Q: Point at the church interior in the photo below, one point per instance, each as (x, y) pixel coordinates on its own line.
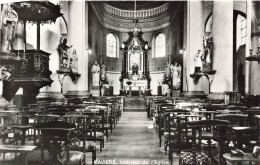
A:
(130, 82)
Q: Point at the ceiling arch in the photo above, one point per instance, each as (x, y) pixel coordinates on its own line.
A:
(157, 16)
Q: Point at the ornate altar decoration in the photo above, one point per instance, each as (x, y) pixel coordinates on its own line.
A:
(135, 65)
(135, 60)
(7, 58)
(35, 73)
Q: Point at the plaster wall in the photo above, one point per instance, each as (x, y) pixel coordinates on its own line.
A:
(50, 39)
(114, 76)
(76, 37)
(254, 67)
(156, 77)
(239, 70)
(195, 21)
(96, 41)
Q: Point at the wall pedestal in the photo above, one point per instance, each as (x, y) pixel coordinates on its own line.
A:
(176, 92)
(49, 96)
(219, 96)
(76, 94)
(95, 91)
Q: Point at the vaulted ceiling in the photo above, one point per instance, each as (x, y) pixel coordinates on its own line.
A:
(119, 15)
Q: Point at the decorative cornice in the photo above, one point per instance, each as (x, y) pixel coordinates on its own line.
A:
(121, 24)
(145, 26)
(140, 14)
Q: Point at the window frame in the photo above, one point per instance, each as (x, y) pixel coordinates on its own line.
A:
(243, 30)
(116, 46)
(155, 46)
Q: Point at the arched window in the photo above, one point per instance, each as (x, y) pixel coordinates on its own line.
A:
(111, 46)
(159, 46)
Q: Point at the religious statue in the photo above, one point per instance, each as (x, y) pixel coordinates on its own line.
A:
(62, 48)
(176, 75)
(9, 20)
(95, 73)
(135, 69)
(74, 62)
(198, 61)
(103, 72)
(140, 75)
(5, 73)
(206, 58)
(167, 71)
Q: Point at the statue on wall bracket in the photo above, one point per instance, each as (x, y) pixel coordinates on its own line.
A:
(74, 62)
(207, 56)
(64, 58)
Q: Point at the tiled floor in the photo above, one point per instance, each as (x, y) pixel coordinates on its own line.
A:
(134, 141)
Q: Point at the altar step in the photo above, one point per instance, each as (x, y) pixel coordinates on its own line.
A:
(135, 104)
(135, 109)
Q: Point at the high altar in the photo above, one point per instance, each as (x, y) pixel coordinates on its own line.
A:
(135, 75)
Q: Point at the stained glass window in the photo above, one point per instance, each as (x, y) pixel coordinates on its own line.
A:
(111, 45)
(159, 46)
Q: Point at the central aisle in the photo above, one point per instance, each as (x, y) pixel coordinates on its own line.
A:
(134, 141)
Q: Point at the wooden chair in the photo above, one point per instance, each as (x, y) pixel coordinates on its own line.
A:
(153, 104)
(236, 120)
(170, 124)
(251, 113)
(56, 137)
(84, 136)
(195, 154)
(99, 123)
(242, 108)
(104, 120)
(110, 122)
(160, 119)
